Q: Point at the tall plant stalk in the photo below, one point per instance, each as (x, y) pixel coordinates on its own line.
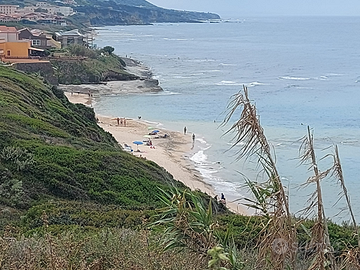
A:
(320, 235)
(249, 135)
(338, 173)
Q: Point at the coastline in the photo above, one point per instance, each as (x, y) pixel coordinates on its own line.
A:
(172, 153)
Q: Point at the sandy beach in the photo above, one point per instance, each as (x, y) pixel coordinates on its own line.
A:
(172, 152)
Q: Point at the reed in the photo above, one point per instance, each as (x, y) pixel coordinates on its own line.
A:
(278, 234)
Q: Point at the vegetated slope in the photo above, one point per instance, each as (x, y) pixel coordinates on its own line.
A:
(117, 14)
(122, 12)
(83, 65)
(50, 148)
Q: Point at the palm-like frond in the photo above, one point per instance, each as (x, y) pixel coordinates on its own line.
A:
(185, 222)
(337, 172)
(320, 236)
(270, 197)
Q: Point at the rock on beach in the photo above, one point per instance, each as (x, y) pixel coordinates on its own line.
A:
(144, 83)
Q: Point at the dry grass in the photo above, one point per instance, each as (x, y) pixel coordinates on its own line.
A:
(110, 249)
(279, 233)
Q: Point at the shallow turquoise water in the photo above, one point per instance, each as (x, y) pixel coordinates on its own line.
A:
(299, 71)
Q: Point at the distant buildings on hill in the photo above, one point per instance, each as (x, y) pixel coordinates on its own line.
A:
(42, 12)
(29, 43)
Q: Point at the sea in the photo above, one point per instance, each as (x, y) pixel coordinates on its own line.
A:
(300, 72)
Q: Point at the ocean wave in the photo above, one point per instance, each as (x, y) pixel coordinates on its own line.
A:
(252, 84)
(295, 78)
(176, 39)
(199, 60)
(199, 157)
(228, 83)
(350, 142)
(238, 144)
(203, 142)
(211, 70)
(167, 93)
(225, 64)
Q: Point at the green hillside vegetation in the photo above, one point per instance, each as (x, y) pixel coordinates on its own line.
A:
(51, 148)
(119, 12)
(77, 64)
(71, 198)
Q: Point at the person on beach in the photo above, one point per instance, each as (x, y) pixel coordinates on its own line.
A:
(222, 200)
(121, 121)
(184, 130)
(124, 122)
(193, 141)
(118, 120)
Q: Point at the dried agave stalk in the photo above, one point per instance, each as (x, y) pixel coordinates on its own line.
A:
(276, 246)
(337, 172)
(320, 237)
(352, 256)
(351, 259)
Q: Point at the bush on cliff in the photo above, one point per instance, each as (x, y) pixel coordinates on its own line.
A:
(79, 64)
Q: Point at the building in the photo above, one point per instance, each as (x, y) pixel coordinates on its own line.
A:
(42, 4)
(8, 34)
(9, 18)
(39, 39)
(18, 49)
(8, 9)
(13, 48)
(72, 37)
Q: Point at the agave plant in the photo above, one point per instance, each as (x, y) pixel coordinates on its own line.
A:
(185, 222)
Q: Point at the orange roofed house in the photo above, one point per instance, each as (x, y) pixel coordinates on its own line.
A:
(13, 48)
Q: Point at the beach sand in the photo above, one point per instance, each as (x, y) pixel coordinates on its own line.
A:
(171, 153)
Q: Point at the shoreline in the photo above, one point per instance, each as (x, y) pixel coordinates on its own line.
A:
(172, 153)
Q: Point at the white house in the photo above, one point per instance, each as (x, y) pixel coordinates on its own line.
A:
(8, 9)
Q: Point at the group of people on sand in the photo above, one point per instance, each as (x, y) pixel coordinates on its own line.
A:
(222, 199)
(121, 121)
(193, 137)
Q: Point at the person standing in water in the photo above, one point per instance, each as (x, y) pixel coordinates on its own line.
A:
(184, 130)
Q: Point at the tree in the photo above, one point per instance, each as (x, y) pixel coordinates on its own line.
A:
(108, 49)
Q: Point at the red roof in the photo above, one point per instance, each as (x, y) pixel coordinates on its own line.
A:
(11, 29)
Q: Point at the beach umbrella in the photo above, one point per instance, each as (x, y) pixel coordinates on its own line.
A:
(137, 144)
(147, 136)
(150, 128)
(155, 131)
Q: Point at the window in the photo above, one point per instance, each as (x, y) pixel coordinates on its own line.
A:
(36, 42)
(8, 53)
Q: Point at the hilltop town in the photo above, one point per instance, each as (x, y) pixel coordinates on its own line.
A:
(40, 13)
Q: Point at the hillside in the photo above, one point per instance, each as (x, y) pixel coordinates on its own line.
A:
(52, 149)
(71, 198)
(122, 12)
(116, 13)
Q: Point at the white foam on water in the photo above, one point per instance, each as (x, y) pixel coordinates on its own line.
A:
(199, 157)
(295, 78)
(228, 83)
(254, 84)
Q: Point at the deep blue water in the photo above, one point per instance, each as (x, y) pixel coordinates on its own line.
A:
(299, 71)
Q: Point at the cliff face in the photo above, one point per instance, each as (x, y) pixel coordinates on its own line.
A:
(44, 69)
(135, 12)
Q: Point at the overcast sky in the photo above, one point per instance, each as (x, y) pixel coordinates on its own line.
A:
(249, 8)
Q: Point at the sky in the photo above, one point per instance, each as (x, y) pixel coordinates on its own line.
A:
(249, 8)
